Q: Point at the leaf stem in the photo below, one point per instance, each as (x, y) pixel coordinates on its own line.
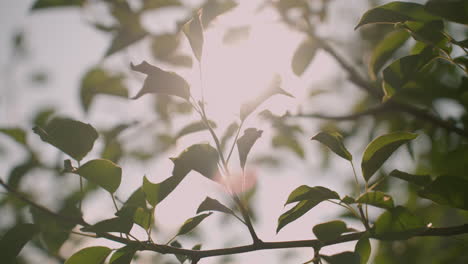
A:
(235, 140)
(113, 201)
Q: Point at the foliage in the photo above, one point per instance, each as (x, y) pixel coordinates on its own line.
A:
(414, 66)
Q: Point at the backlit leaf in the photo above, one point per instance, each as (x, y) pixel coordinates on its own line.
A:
(303, 56)
(14, 240)
(376, 198)
(447, 190)
(156, 192)
(72, 137)
(317, 193)
(395, 12)
(193, 29)
(17, 134)
(90, 255)
(245, 143)
(214, 8)
(420, 180)
(201, 158)
(160, 81)
(102, 172)
(333, 140)
(380, 149)
(40, 4)
(363, 248)
(398, 223)
(294, 213)
(123, 255)
(116, 224)
(329, 231)
(210, 204)
(191, 223)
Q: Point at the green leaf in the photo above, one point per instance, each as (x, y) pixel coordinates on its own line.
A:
(72, 137)
(116, 224)
(164, 45)
(230, 131)
(17, 134)
(135, 201)
(156, 192)
(40, 4)
(123, 255)
(431, 33)
(420, 180)
(193, 128)
(334, 141)
(18, 172)
(160, 81)
(143, 217)
(152, 4)
(376, 198)
(102, 172)
(380, 149)
(396, 12)
(398, 223)
(329, 231)
(303, 56)
(363, 248)
(245, 143)
(343, 258)
(294, 213)
(385, 49)
(214, 8)
(447, 190)
(90, 255)
(14, 240)
(180, 258)
(98, 81)
(210, 204)
(453, 10)
(193, 30)
(273, 89)
(348, 200)
(317, 193)
(201, 158)
(191, 223)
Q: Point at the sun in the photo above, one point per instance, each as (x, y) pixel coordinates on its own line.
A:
(236, 72)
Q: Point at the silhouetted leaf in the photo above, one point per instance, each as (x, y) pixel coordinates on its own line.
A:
(398, 223)
(303, 56)
(156, 192)
(363, 248)
(245, 143)
(376, 198)
(420, 180)
(14, 240)
(143, 217)
(116, 224)
(273, 89)
(90, 255)
(98, 81)
(235, 35)
(294, 213)
(453, 10)
(160, 81)
(17, 134)
(210, 204)
(380, 149)
(317, 193)
(193, 29)
(385, 49)
(348, 200)
(214, 8)
(72, 137)
(343, 258)
(123, 255)
(230, 131)
(329, 231)
(334, 141)
(194, 127)
(40, 4)
(395, 12)
(180, 258)
(191, 223)
(164, 45)
(447, 190)
(201, 158)
(102, 172)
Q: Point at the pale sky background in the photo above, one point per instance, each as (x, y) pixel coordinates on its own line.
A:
(62, 45)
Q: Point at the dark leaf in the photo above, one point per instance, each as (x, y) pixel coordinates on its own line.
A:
(334, 141)
(90, 255)
(156, 4)
(395, 12)
(343, 258)
(431, 33)
(348, 200)
(329, 231)
(160, 81)
(156, 192)
(214, 8)
(210, 204)
(420, 180)
(245, 143)
(123, 255)
(72, 137)
(143, 217)
(447, 190)
(380, 149)
(18, 172)
(17, 134)
(164, 45)
(193, 29)
(376, 198)
(398, 223)
(385, 49)
(294, 213)
(116, 224)
(180, 258)
(201, 158)
(40, 4)
(317, 193)
(194, 127)
(303, 56)
(102, 172)
(14, 240)
(453, 10)
(363, 248)
(191, 223)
